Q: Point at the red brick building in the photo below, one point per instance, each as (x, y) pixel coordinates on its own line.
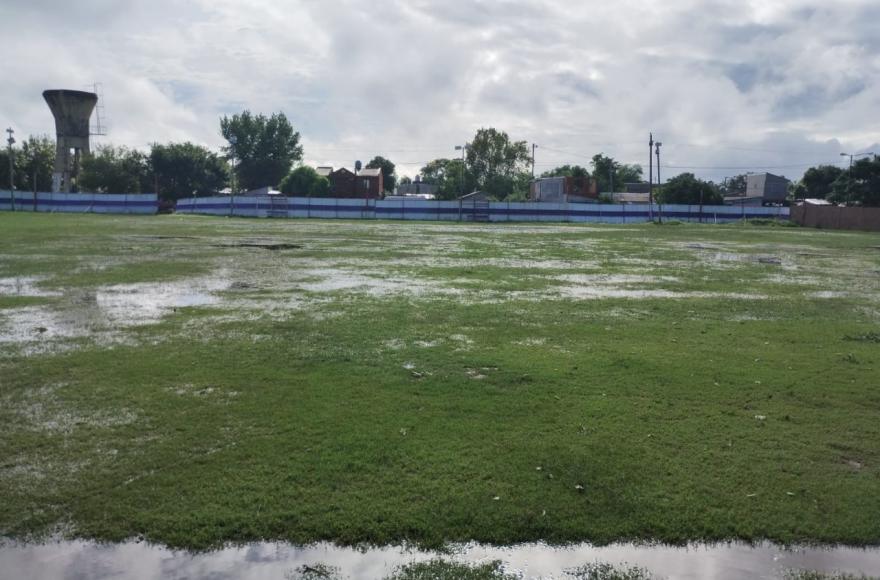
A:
(367, 184)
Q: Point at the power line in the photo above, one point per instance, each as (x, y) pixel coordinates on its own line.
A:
(747, 167)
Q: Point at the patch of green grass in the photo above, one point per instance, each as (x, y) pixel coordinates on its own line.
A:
(605, 571)
(445, 570)
(129, 273)
(22, 301)
(866, 337)
(451, 393)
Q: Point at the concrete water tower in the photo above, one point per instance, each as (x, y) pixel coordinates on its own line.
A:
(72, 111)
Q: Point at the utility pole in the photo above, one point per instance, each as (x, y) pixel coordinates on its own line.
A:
(10, 142)
(651, 176)
(851, 156)
(659, 183)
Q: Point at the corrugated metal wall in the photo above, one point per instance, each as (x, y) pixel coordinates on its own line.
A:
(119, 203)
(303, 207)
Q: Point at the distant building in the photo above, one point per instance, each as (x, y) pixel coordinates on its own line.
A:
(366, 184)
(639, 187)
(563, 190)
(772, 189)
(264, 191)
(417, 188)
(628, 197)
(744, 200)
(411, 197)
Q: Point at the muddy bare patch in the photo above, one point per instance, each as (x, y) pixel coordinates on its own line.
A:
(272, 247)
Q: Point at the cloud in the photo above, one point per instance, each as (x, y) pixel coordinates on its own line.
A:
(728, 85)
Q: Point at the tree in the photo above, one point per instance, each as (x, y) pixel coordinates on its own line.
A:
(305, 181)
(36, 160)
(859, 186)
(817, 182)
(185, 169)
(115, 170)
(265, 147)
(498, 165)
(450, 176)
(35, 157)
(605, 168)
(627, 173)
(687, 189)
(405, 180)
(389, 178)
(567, 171)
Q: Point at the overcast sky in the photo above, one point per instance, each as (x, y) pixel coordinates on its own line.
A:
(729, 86)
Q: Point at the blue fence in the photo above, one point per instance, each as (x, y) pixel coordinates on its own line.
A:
(303, 207)
(119, 203)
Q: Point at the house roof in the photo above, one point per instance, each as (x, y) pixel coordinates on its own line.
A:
(369, 172)
(324, 171)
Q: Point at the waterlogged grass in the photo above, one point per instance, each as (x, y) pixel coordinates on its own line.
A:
(605, 571)
(812, 575)
(373, 382)
(445, 570)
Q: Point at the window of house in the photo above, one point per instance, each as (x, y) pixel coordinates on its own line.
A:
(367, 184)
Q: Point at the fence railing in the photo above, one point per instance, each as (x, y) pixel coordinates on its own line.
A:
(119, 203)
(330, 208)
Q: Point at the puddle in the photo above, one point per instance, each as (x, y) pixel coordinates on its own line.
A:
(24, 286)
(105, 310)
(335, 280)
(597, 286)
(141, 561)
(588, 293)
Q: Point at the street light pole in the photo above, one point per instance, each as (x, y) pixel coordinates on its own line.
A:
(10, 142)
(657, 146)
(651, 176)
(463, 148)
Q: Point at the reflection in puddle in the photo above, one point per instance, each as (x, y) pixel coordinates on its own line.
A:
(105, 311)
(74, 560)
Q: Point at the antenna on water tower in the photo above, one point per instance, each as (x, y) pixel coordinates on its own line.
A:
(99, 129)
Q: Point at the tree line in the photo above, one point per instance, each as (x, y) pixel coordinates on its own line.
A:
(859, 185)
(266, 150)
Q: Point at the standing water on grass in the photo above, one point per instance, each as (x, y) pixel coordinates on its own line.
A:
(141, 561)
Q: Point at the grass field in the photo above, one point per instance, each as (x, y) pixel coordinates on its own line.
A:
(202, 380)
